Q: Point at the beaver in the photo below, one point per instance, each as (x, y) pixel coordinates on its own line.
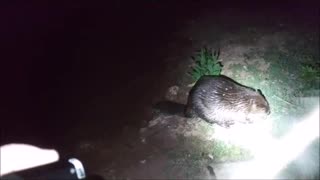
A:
(222, 101)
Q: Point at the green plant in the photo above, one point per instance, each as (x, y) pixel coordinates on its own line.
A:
(310, 72)
(206, 63)
(311, 75)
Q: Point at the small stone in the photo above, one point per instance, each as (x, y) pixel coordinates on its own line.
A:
(143, 140)
(172, 92)
(143, 161)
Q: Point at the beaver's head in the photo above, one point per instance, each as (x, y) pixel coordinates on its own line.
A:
(259, 107)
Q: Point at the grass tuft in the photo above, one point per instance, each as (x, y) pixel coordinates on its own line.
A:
(206, 63)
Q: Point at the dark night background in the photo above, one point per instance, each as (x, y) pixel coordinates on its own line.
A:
(72, 62)
(93, 64)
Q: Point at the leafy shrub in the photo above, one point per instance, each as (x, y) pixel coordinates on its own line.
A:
(310, 72)
(311, 75)
(206, 63)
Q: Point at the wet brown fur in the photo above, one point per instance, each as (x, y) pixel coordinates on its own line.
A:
(221, 100)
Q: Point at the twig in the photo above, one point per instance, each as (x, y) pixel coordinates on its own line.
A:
(284, 100)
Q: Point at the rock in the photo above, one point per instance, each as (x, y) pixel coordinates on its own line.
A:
(172, 93)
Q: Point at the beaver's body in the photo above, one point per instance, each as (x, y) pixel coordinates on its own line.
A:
(220, 100)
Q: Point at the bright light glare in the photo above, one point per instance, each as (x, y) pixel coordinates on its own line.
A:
(273, 155)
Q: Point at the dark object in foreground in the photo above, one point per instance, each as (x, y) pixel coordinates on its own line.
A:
(71, 169)
(220, 100)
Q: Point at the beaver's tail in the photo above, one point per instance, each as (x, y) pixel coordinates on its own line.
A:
(169, 108)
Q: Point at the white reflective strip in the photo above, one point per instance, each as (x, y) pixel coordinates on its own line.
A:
(78, 167)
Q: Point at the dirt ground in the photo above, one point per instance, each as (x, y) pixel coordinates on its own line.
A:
(150, 151)
(83, 78)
